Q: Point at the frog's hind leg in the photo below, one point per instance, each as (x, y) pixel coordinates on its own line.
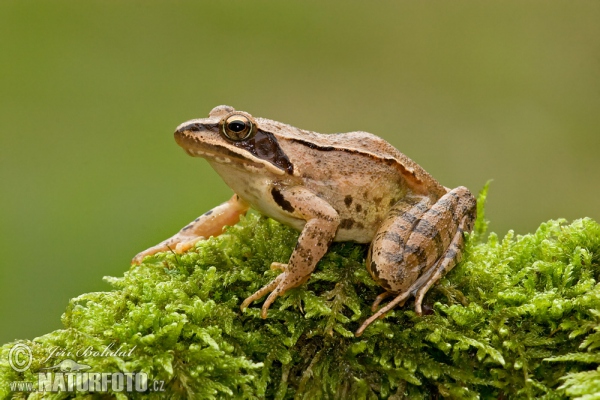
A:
(432, 247)
(451, 257)
(424, 283)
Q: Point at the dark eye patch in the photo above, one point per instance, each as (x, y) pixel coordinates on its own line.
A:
(264, 145)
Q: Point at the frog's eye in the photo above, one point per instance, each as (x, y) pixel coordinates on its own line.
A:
(237, 127)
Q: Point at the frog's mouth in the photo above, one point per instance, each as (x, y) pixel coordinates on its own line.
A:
(221, 154)
(203, 140)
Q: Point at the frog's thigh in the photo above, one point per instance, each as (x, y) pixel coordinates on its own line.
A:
(208, 224)
(321, 225)
(391, 264)
(401, 254)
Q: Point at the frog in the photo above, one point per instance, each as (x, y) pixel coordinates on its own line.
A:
(340, 187)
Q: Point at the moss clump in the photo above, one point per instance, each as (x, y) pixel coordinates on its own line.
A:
(518, 318)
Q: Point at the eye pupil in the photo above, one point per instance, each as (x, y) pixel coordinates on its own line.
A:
(236, 126)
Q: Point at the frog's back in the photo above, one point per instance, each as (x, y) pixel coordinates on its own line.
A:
(370, 154)
(367, 143)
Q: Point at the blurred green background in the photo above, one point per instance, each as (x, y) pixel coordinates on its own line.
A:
(90, 94)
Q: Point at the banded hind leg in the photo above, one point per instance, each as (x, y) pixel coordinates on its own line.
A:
(418, 243)
(386, 255)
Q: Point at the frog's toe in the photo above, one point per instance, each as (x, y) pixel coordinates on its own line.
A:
(382, 297)
(443, 265)
(137, 259)
(265, 308)
(184, 246)
(278, 266)
(178, 244)
(260, 293)
(399, 299)
(280, 290)
(433, 276)
(419, 298)
(277, 287)
(379, 299)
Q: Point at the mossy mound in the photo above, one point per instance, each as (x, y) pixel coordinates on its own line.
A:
(518, 318)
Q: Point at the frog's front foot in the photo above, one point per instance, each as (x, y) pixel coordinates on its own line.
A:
(209, 224)
(277, 287)
(175, 244)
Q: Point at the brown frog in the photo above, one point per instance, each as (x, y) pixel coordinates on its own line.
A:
(338, 187)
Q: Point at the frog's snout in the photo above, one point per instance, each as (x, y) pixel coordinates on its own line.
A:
(188, 127)
(185, 132)
(197, 137)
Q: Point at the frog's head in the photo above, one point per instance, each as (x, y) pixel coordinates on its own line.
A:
(228, 136)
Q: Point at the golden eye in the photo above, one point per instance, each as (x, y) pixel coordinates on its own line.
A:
(237, 127)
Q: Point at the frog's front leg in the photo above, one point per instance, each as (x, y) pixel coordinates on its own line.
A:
(321, 225)
(417, 243)
(209, 224)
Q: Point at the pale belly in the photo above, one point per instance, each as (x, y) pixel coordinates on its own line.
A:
(361, 209)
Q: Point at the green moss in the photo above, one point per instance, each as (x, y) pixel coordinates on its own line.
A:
(518, 318)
